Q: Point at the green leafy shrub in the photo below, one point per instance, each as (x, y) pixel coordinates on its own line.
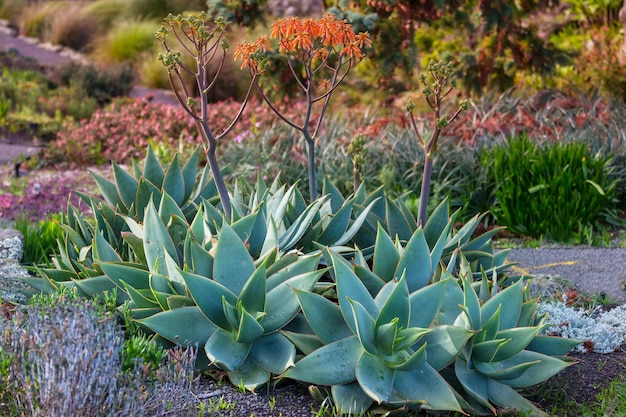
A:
(118, 132)
(548, 190)
(102, 83)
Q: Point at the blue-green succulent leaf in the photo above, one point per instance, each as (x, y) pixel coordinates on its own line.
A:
(425, 384)
(232, 265)
(375, 377)
(253, 292)
(208, 296)
(126, 185)
(425, 303)
(223, 351)
(189, 173)
(511, 298)
(450, 305)
(181, 325)
(386, 256)
(174, 183)
(552, 345)
(350, 286)
(506, 397)
(134, 277)
(524, 369)
(364, 327)
(323, 316)
(282, 303)
(415, 262)
(157, 241)
(274, 352)
(444, 343)
(520, 338)
(250, 375)
(474, 383)
(396, 306)
(152, 169)
(249, 328)
(103, 251)
(350, 399)
(332, 364)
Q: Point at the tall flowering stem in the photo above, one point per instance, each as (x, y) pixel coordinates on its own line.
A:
(202, 39)
(438, 84)
(320, 52)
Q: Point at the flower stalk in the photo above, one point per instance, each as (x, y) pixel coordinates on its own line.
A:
(320, 53)
(438, 84)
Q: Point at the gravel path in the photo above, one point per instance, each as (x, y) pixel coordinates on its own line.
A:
(592, 270)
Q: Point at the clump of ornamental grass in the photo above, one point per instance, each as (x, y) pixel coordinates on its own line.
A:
(63, 356)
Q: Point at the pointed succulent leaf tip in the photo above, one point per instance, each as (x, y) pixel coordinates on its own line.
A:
(232, 265)
(365, 327)
(350, 286)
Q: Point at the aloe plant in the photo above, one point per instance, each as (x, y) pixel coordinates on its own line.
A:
(506, 351)
(374, 348)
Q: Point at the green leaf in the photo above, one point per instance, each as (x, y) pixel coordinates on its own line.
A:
(425, 384)
(157, 241)
(486, 351)
(297, 229)
(331, 364)
(507, 397)
(364, 327)
(103, 251)
(126, 185)
(288, 267)
(552, 345)
(350, 286)
(396, 306)
(143, 298)
(208, 295)
(415, 262)
(323, 316)
(95, 286)
(474, 384)
(282, 303)
(274, 352)
(524, 369)
(450, 305)
(337, 226)
(232, 265)
(152, 170)
(174, 183)
(108, 190)
(181, 325)
(596, 186)
(437, 223)
(356, 226)
(253, 293)
(375, 377)
(425, 303)
(386, 256)
(511, 300)
(444, 343)
(135, 277)
(250, 375)
(189, 173)
(520, 338)
(249, 328)
(169, 208)
(223, 351)
(350, 399)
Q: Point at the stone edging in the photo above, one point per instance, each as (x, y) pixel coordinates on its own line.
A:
(11, 271)
(64, 51)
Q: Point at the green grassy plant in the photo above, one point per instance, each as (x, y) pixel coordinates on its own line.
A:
(125, 41)
(73, 28)
(10, 9)
(40, 239)
(548, 190)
